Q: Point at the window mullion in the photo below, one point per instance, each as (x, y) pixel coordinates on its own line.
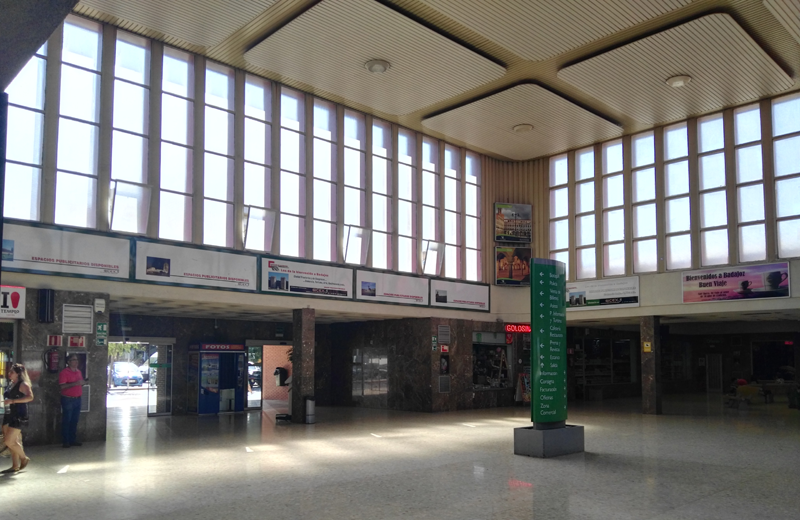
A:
(154, 136)
(239, 78)
(768, 167)
(627, 197)
(394, 227)
(694, 187)
(599, 211)
(571, 216)
(105, 121)
(308, 183)
(52, 101)
(368, 151)
(731, 186)
(198, 152)
(340, 183)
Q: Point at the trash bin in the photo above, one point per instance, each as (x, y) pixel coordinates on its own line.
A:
(310, 410)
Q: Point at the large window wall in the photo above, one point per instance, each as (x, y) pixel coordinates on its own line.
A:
(142, 138)
(716, 190)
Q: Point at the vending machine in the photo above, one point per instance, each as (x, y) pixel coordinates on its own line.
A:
(217, 378)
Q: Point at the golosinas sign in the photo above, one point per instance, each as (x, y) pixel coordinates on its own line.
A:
(12, 302)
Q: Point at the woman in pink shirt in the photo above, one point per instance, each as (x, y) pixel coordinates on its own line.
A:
(71, 382)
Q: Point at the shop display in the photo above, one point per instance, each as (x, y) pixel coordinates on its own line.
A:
(490, 367)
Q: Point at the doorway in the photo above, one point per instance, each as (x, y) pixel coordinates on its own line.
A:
(265, 357)
(159, 380)
(714, 373)
(139, 377)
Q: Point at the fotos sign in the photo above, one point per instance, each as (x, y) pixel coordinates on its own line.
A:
(736, 283)
(284, 276)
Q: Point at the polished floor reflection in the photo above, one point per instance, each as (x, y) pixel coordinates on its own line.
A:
(698, 461)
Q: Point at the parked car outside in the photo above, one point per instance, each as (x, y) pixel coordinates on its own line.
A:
(125, 373)
(254, 375)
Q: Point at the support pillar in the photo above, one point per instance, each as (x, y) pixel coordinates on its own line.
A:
(651, 364)
(304, 322)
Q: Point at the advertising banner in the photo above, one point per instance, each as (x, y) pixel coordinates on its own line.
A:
(391, 288)
(12, 302)
(736, 283)
(459, 295)
(613, 292)
(283, 276)
(512, 222)
(68, 252)
(190, 266)
(512, 266)
(548, 341)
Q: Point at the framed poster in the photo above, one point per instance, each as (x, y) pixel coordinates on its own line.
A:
(512, 266)
(372, 286)
(287, 277)
(193, 266)
(611, 292)
(512, 222)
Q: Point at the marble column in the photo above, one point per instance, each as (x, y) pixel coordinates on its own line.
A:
(304, 321)
(651, 364)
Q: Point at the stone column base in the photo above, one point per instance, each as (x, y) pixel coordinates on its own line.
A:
(548, 443)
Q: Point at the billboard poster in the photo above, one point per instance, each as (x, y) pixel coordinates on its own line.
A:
(512, 266)
(612, 292)
(456, 295)
(736, 283)
(512, 222)
(67, 252)
(287, 277)
(391, 288)
(190, 266)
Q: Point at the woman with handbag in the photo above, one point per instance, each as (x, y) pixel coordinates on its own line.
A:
(15, 400)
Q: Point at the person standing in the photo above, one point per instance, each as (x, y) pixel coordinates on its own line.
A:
(71, 382)
(15, 401)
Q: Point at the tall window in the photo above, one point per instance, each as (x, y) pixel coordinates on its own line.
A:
(676, 192)
(218, 157)
(24, 140)
(786, 146)
(430, 204)
(381, 193)
(472, 208)
(257, 162)
(713, 196)
(749, 184)
(129, 141)
(177, 140)
(643, 195)
(78, 125)
(452, 211)
(293, 173)
(407, 201)
(585, 223)
(355, 189)
(559, 209)
(613, 210)
(325, 181)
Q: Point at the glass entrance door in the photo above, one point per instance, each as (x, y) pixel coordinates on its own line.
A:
(159, 385)
(255, 376)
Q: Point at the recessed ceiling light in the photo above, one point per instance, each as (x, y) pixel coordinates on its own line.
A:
(377, 66)
(679, 81)
(521, 129)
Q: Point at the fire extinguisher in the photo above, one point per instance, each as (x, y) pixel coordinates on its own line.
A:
(51, 358)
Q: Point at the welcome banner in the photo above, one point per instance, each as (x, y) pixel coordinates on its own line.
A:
(736, 283)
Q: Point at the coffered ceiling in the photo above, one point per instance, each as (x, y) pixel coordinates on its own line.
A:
(456, 65)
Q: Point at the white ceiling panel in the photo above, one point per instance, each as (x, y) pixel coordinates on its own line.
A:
(558, 124)
(199, 22)
(541, 29)
(726, 65)
(326, 47)
(788, 14)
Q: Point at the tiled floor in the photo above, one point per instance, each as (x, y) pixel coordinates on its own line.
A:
(698, 461)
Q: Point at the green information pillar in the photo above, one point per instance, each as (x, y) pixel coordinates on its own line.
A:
(548, 344)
